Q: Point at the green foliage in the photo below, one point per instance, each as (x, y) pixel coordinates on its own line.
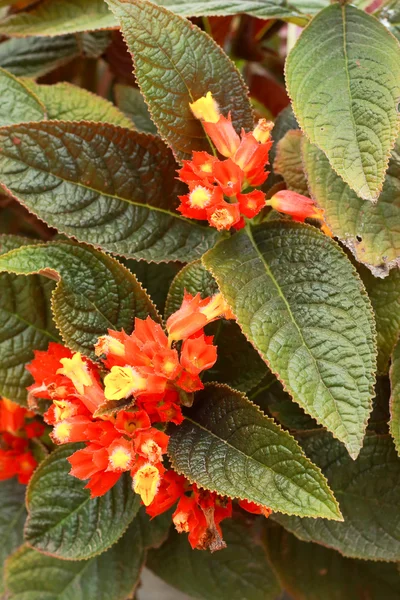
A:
(94, 291)
(131, 102)
(317, 335)
(395, 397)
(239, 571)
(18, 102)
(227, 445)
(288, 162)
(190, 65)
(12, 520)
(352, 114)
(82, 193)
(370, 231)
(368, 492)
(62, 519)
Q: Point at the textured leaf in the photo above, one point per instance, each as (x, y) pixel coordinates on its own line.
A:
(62, 519)
(36, 56)
(107, 186)
(57, 17)
(131, 102)
(67, 102)
(238, 364)
(285, 122)
(395, 397)
(371, 231)
(12, 519)
(310, 572)
(18, 103)
(385, 299)
(368, 491)
(298, 299)
(263, 9)
(155, 278)
(226, 444)
(237, 572)
(113, 574)
(351, 114)
(25, 324)
(176, 63)
(288, 162)
(95, 292)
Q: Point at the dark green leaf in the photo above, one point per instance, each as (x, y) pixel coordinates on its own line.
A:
(300, 302)
(343, 76)
(104, 185)
(371, 231)
(288, 162)
(155, 278)
(368, 491)
(395, 397)
(12, 520)
(310, 572)
(240, 571)
(57, 17)
(25, 324)
(64, 522)
(18, 103)
(131, 102)
(226, 444)
(177, 63)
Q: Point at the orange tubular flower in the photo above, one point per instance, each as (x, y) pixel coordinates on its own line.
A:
(297, 206)
(198, 354)
(255, 509)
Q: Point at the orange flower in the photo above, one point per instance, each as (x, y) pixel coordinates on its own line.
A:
(198, 354)
(297, 206)
(255, 509)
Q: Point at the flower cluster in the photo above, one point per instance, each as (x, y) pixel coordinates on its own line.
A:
(17, 428)
(221, 191)
(119, 405)
(224, 191)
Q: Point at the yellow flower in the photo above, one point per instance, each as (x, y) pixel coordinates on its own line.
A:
(206, 109)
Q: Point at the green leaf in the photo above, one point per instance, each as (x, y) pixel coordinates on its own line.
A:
(370, 231)
(368, 491)
(226, 444)
(58, 17)
(131, 102)
(237, 572)
(67, 102)
(389, 16)
(12, 520)
(25, 324)
(94, 291)
(288, 162)
(285, 122)
(110, 187)
(300, 302)
(262, 9)
(238, 364)
(351, 114)
(18, 103)
(394, 424)
(177, 63)
(385, 299)
(62, 519)
(155, 278)
(36, 56)
(310, 572)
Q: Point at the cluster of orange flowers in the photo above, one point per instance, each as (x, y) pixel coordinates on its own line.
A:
(120, 405)
(225, 191)
(17, 427)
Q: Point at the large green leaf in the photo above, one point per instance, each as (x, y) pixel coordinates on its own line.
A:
(18, 103)
(288, 162)
(63, 521)
(57, 17)
(131, 102)
(12, 520)
(343, 76)
(177, 63)
(368, 491)
(240, 571)
(385, 299)
(112, 575)
(67, 102)
(371, 231)
(25, 324)
(310, 572)
(36, 56)
(395, 397)
(94, 292)
(226, 444)
(300, 302)
(111, 187)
